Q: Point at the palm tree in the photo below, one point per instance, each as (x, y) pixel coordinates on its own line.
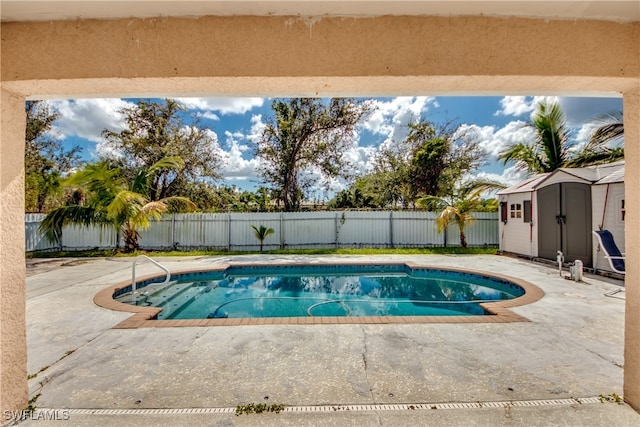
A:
(262, 233)
(458, 205)
(115, 202)
(605, 144)
(550, 149)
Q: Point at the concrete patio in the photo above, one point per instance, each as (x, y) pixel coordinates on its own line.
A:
(549, 371)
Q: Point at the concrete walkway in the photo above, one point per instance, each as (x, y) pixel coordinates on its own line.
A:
(549, 371)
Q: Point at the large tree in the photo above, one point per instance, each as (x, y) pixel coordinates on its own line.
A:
(426, 162)
(114, 200)
(305, 143)
(439, 157)
(388, 184)
(156, 130)
(46, 160)
(428, 158)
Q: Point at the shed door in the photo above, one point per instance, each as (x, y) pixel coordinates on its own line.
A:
(564, 221)
(549, 231)
(576, 208)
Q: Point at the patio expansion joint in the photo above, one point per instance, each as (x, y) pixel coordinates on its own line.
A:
(613, 362)
(50, 372)
(480, 405)
(365, 363)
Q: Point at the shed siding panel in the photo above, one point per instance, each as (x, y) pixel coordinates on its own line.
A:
(517, 236)
(612, 219)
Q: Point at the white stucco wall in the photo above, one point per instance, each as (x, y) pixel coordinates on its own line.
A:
(244, 56)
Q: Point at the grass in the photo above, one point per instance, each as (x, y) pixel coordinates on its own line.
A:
(338, 251)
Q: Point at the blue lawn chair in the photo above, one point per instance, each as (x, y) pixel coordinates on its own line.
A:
(611, 251)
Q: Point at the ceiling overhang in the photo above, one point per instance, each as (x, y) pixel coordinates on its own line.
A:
(53, 10)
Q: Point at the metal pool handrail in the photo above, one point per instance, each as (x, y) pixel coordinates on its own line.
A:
(133, 272)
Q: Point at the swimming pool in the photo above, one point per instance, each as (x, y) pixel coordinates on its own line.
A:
(276, 291)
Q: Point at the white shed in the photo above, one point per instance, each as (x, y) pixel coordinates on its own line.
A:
(557, 211)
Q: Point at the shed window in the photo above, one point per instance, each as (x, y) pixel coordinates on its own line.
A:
(516, 210)
(526, 206)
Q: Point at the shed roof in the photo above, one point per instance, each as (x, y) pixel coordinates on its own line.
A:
(525, 186)
(614, 177)
(597, 174)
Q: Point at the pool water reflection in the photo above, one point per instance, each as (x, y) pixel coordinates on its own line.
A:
(337, 290)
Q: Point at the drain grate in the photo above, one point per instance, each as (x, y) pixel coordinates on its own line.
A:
(341, 408)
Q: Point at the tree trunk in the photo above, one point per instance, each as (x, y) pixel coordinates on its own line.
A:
(463, 239)
(130, 240)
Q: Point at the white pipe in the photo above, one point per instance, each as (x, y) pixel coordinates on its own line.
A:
(560, 259)
(133, 272)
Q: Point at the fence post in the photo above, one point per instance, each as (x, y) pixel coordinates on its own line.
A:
(174, 245)
(391, 229)
(282, 237)
(229, 231)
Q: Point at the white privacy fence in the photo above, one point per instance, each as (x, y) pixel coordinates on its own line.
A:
(292, 230)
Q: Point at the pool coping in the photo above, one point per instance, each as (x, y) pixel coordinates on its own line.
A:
(144, 317)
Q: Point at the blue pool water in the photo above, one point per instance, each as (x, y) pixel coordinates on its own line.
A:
(341, 290)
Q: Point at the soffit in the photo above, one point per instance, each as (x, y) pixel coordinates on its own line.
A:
(53, 10)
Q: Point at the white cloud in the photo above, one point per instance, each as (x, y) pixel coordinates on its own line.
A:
(510, 176)
(105, 149)
(257, 126)
(87, 118)
(222, 105)
(493, 141)
(583, 135)
(234, 165)
(578, 110)
(208, 115)
(390, 118)
(514, 106)
(362, 158)
(519, 105)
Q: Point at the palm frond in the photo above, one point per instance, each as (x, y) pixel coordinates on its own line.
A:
(597, 157)
(610, 130)
(262, 232)
(178, 204)
(51, 226)
(432, 203)
(126, 203)
(140, 182)
(524, 156)
(448, 214)
(97, 178)
(552, 135)
(478, 186)
(174, 163)
(150, 211)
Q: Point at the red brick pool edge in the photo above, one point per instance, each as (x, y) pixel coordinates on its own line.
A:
(144, 317)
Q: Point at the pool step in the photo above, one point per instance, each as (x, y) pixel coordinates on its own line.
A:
(176, 302)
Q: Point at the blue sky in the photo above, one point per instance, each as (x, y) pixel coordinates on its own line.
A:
(236, 123)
